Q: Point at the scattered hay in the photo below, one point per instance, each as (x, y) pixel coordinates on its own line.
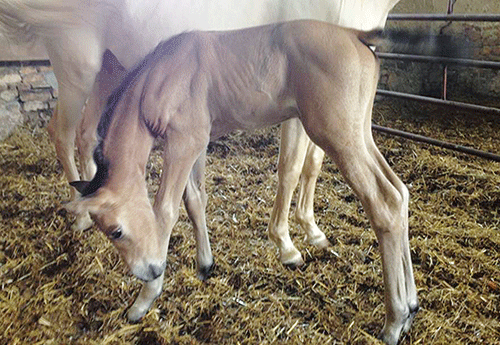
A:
(61, 287)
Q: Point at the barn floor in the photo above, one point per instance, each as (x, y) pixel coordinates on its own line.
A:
(64, 287)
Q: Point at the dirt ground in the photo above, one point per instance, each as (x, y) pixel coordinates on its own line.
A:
(64, 287)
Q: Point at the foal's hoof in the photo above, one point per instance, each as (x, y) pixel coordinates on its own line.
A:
(82, 222)
(291, 259)
(204, 272)
(391, 336)
(388, 340)
(413, 312)
(135, 314)
(320, 243)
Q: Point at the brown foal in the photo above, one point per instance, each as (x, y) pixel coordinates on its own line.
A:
(198, 86)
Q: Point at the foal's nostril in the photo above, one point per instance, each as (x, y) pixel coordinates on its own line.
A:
(156, 270)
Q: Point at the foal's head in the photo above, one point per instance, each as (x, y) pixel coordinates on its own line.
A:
(117, 197)
(127, 219)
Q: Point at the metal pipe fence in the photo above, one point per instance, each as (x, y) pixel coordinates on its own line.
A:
(442, 60)
(446, 17)
(435, 142)
(438, 101)
(445, 61)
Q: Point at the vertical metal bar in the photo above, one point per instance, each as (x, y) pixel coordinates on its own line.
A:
(449, 11)
(445, 80)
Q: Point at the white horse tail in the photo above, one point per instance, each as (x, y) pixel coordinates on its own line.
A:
(27, 20)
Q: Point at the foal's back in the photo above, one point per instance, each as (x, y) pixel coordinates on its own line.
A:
(255, 77)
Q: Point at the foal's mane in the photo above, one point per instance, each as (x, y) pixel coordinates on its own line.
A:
(164, 48)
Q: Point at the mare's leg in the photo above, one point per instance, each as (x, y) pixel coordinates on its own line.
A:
(75, 66)
(304, 213)
(86, 136)
(293, 148)
(182, 150)
(108, 78)
(195, 200)
(299, 158)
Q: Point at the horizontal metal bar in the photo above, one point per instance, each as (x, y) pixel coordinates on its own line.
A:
(438, 101)
(447, 17)
(443, 60)
(9, 63)
(435, 142)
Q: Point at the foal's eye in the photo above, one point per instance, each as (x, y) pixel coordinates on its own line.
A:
(116, 234)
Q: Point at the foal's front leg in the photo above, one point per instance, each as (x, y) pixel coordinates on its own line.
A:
(149, 292)
(179, 158)
(195, 200)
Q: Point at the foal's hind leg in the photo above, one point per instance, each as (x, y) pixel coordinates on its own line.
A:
(385, 200)
(195, 200)
(386, 204)
(304, 213)
(343, 130)
(293, 147)
(411, 290)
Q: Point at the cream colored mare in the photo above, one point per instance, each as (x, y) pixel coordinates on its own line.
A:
(201, 85)
(77, 32)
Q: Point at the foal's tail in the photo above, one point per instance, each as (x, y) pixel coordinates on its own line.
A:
(26, 20)
(417, 43)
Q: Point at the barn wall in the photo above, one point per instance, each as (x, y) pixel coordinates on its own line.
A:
(27, 94)
(464, 84)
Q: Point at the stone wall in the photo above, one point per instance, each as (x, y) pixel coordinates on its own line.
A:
(27, 94)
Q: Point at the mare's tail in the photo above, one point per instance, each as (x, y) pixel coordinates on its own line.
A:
(26, 20)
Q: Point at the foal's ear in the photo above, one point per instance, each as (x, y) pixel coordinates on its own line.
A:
(94, 204)
(80, 186)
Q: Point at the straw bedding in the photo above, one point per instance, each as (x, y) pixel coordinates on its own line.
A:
(64, 287)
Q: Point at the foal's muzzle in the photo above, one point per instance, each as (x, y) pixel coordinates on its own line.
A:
(156, 271)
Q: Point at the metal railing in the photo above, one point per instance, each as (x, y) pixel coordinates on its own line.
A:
(445, 61)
